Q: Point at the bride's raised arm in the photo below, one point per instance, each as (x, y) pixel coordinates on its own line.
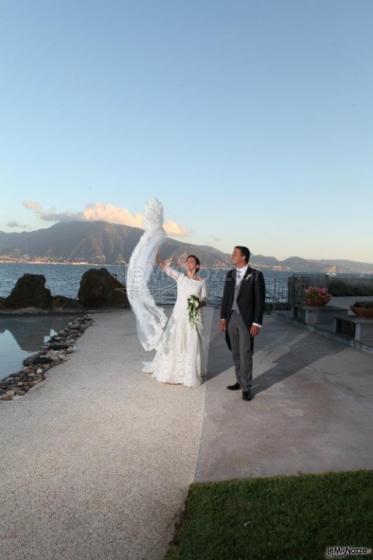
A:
(167, 268)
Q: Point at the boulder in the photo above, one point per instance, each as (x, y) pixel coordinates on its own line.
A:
(62, 302)
(29, 291)
(99, 288)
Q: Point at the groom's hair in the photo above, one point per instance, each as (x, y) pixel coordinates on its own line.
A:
(244, 251)
(198, 262)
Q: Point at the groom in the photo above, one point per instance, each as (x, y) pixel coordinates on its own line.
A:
(241, 315)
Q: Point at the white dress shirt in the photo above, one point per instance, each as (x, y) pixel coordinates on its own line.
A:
(240, 273)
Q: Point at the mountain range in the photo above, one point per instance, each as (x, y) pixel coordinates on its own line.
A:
(100, 242)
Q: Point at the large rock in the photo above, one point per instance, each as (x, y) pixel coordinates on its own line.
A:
(63, 302)
(98, 288)
(29, 291)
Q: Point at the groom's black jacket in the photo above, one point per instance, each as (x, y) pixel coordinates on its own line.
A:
(250, 299)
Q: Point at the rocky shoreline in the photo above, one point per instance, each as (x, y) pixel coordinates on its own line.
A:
(56, 350)
(98, 291)
(98, 288)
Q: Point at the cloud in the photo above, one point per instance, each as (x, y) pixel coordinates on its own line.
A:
(16, 225)
(32, 205)
(106, 212)
(172, 228)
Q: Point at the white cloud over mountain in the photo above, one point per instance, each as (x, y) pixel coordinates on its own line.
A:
(102, 211)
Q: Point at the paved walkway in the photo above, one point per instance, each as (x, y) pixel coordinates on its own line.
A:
(96, 460)
(313, 409)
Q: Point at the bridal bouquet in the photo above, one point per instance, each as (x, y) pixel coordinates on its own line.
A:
(193, 309)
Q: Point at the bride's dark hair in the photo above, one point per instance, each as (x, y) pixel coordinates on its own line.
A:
(198, 262)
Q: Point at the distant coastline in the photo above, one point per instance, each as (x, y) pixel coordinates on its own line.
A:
(330, 271)
(270, 268)
(4, 260)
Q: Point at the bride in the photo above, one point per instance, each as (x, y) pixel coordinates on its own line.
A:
(180, 355)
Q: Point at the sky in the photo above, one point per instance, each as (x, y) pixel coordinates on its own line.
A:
(251, 121)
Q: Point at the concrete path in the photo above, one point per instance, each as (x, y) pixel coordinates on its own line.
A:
(312, 412)
(97, 459)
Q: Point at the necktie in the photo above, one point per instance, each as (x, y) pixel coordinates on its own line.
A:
(236, 289)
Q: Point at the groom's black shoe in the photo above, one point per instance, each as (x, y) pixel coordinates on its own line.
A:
(247, 395)
(234, 387)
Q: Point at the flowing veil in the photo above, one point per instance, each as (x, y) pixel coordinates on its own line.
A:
(150, 319)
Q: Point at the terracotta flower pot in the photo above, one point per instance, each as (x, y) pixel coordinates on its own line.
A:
(364, 312)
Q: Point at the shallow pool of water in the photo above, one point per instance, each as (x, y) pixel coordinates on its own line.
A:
(22, 336)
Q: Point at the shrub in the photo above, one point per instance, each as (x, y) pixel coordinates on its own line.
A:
(341, 288)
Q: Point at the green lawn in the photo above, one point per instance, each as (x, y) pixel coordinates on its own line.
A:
(276, 518)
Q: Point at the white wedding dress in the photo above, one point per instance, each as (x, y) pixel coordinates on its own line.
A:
(180, 353)
(180, 356)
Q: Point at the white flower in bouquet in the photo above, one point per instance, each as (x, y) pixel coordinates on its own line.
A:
(194, 312)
